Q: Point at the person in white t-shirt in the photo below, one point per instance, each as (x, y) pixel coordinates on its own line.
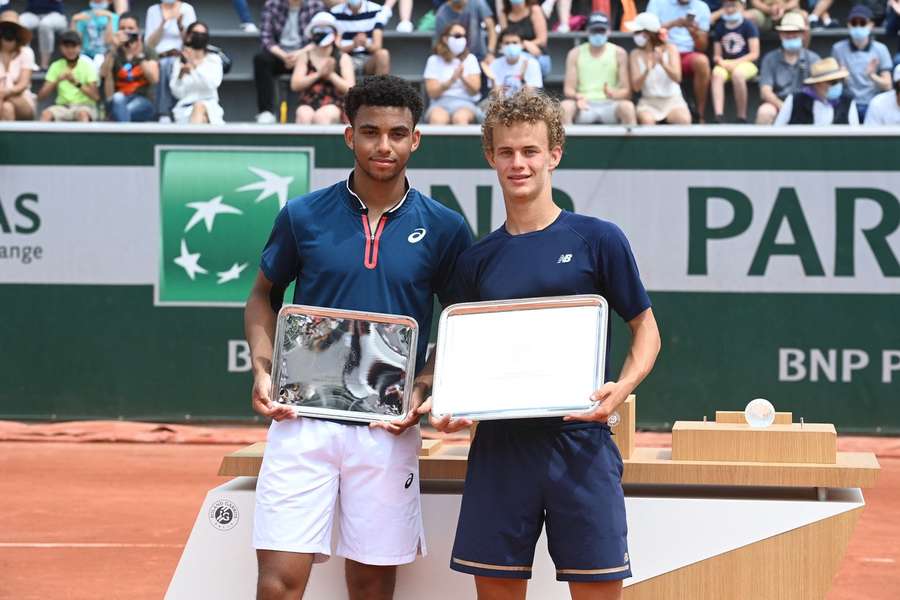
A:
(452, 80)
(164, 29)
(884, 109)
(515, 69)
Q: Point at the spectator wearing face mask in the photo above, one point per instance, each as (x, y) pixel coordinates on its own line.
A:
(867, 59)
(74, 80)
(165, 25)
(597, 86)
(362, 23)
(884, 109)
(783, 70)
(17, 102)
(514, 69)
(323, 74)
(688, 23)
(822, 101)
(282, 37)
(477, 22)
(655, 69)
(452, 80)
(96, 26)
(735, 50)
(196, 82)
(129, 73)
(48, 18)
(526, 18)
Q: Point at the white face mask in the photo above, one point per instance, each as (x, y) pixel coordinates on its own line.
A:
(640, 39)
(456, 45)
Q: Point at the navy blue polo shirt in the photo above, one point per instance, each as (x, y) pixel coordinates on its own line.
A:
(576, 254)
(323, 241)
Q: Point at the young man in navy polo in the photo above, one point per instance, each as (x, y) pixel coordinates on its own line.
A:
(369, 243)
(563, 472)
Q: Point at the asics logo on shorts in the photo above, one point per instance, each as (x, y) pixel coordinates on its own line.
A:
(409, 481)
(564, 258)
(416, 235)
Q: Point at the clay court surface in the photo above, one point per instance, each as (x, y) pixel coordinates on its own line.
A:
(85, 518)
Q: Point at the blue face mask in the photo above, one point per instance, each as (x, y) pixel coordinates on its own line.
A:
(512, 51)
(732, 18)
(835, 91)
(517, 2)
(859, 34)
(597, 39)
(792, 44)
(99, 5)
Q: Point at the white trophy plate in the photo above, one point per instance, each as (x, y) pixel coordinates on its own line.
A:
(509, 359)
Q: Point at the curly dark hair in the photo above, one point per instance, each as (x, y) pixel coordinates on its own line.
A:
(383, 90)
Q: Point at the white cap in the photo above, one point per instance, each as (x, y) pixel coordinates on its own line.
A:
(323, 19)
(644, 22)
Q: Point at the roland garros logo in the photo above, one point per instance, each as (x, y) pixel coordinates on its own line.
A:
(224, 514)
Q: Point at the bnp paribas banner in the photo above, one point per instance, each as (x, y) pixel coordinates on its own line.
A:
(772, 262)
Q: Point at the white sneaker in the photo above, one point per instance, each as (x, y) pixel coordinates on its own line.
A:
(266, 118)
(562, 28)
(405, 26)
(249, 28)
(547, 7)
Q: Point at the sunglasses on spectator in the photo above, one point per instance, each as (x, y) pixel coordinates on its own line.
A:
(858, 23)
(597, 30)
(457, 35)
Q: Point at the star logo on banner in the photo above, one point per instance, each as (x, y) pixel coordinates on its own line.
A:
(270, 184)
(189, 262)
(231, 274)
(207, 211)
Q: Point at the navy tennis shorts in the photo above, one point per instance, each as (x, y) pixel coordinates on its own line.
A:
(522, 475)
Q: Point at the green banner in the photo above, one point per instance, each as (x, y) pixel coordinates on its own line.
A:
(771, 261)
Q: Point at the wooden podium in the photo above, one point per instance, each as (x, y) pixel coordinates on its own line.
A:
(729, 513)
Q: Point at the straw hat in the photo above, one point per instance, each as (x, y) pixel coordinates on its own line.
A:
(827, 69)
(23, 35)
(644, 22)
(793, 21)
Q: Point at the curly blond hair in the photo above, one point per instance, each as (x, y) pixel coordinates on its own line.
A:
(525, 106)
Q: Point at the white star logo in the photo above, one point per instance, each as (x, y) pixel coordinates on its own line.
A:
(231, 274)
(189, 262)
(207, 211)
(270, 185)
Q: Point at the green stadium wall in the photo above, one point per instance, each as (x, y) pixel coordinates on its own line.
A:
(771, 261)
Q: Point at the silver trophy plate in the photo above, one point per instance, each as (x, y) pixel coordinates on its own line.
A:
(509, 359)
(344, 364)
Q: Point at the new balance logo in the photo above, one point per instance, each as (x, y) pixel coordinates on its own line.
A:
(564, 258)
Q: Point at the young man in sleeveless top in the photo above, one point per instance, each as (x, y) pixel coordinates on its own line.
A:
(596, 87)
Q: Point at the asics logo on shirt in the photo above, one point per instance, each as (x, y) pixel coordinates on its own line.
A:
(416, 235)
(409, 479)
(564, 258)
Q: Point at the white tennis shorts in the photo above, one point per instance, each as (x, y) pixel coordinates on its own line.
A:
(317, 472)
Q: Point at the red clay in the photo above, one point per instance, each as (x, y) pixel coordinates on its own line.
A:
(149, 494)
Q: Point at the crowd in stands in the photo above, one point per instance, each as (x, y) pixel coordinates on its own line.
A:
(102, 64)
